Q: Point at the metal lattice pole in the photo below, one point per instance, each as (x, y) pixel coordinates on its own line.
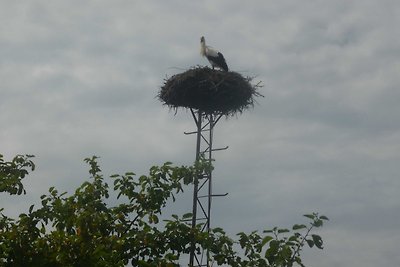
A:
(202, 192)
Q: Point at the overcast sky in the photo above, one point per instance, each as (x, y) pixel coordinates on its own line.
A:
(80, 78)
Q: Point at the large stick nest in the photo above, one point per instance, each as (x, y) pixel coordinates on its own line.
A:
(209, 91)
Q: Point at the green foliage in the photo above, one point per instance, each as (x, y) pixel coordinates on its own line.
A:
(279, 246)
(12, 173)
(84, 229)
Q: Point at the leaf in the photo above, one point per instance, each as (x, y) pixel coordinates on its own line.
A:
(19, 192)
(324, 218)
(43, 230)
(311, 216)
(187, 216)
(266, 240)
(310, 243)
(218, 230)
(299, 226)
(268, 231)
(286, 252)
(273, 249)
(318, 223)
(317, 241)
(153, 219)
(280, 231)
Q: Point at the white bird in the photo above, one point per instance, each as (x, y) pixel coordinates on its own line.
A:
(215, 58)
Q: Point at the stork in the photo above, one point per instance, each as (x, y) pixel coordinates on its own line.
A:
(215, 58)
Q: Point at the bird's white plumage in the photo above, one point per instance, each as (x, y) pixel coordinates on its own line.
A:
(211, 52)
(215, 58)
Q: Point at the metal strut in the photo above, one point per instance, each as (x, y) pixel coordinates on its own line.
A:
(202, 192)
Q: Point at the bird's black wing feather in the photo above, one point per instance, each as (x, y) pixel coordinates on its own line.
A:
(222, 62)
(218, 61)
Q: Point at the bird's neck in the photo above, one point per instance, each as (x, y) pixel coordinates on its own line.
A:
(203, 48)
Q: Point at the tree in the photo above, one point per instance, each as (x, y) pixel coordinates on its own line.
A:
(84, 229)
(12, 173)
